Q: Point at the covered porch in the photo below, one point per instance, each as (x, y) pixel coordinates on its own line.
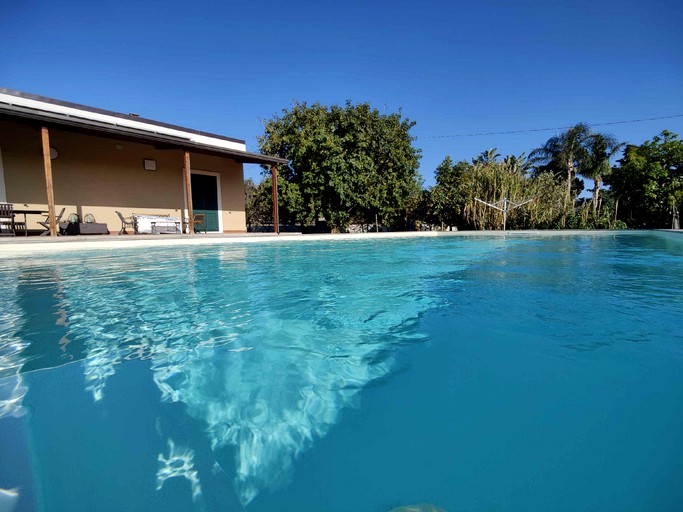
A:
(59, 157)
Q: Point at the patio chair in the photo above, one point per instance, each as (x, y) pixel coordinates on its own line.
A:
(7, 222)
(199, 222)
(46, 223)
(126, 222)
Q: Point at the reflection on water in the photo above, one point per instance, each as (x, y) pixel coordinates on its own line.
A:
(12, 389)
(264, 350)
(179, 463)
(246, 357)
(271, 404)
(8, 499)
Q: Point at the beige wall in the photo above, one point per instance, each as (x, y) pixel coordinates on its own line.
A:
(99, 175)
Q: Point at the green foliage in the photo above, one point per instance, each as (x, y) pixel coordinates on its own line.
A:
(546, 211)
(584, 216)
(259, 202)
(346, 164)
(648, 183)
(493, 181)
(601, 149)
(565, 155)
(351, 164)
(424, 211)
(453, 200)
(578, 151)
(255, 205)
(446, 200)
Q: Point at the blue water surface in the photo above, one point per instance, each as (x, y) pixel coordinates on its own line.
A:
(477, 374)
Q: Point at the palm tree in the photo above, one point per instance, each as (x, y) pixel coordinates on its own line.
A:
(517, 164)
(486, 157)
(602, 149)
(566, 153)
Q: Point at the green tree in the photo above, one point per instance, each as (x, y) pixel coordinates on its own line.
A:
(446, 196)
(519, 164)
(256, 209)
(486, 157)
(648, 183)
(565, 155)
(493, 181)
(425, 211)
(347, 163)
(601, 150)
(290, 202)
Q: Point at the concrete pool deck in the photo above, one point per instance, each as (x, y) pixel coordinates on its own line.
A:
(22, 246)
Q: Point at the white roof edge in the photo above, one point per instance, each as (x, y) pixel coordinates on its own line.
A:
(117, 121)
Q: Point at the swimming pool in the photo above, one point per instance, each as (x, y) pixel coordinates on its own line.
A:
(527, 373)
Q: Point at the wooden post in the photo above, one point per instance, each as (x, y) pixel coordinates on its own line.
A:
(47, 163)
(276, 219)
(188, 192)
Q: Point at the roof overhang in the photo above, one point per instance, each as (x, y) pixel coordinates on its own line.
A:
(97, 122)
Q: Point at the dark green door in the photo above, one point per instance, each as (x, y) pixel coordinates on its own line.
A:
(205, 198)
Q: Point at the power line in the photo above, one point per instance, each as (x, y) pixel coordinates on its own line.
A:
(248, 166)
(544, 129)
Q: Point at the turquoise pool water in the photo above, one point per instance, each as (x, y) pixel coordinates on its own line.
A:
(520, 374)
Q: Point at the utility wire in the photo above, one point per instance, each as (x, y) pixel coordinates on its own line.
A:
(544, 129)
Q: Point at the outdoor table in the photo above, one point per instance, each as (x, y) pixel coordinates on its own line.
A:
(31, 212)
(157, 226)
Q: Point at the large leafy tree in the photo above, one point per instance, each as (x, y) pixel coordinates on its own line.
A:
(565, 155)
(446, 198)
(349, 163)
(648, 183)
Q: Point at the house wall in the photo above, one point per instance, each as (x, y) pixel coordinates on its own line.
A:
(100, 175)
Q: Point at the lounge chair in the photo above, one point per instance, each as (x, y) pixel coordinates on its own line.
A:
(126, 222)
(7, 222)
(46, 223)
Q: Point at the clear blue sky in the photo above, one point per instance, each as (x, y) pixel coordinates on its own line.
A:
(453, 67)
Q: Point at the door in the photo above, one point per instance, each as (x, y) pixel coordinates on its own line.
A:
(205, 198)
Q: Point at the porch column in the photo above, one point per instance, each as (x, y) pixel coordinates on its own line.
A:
(47, 163)
(188, 192)
(276, 217)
